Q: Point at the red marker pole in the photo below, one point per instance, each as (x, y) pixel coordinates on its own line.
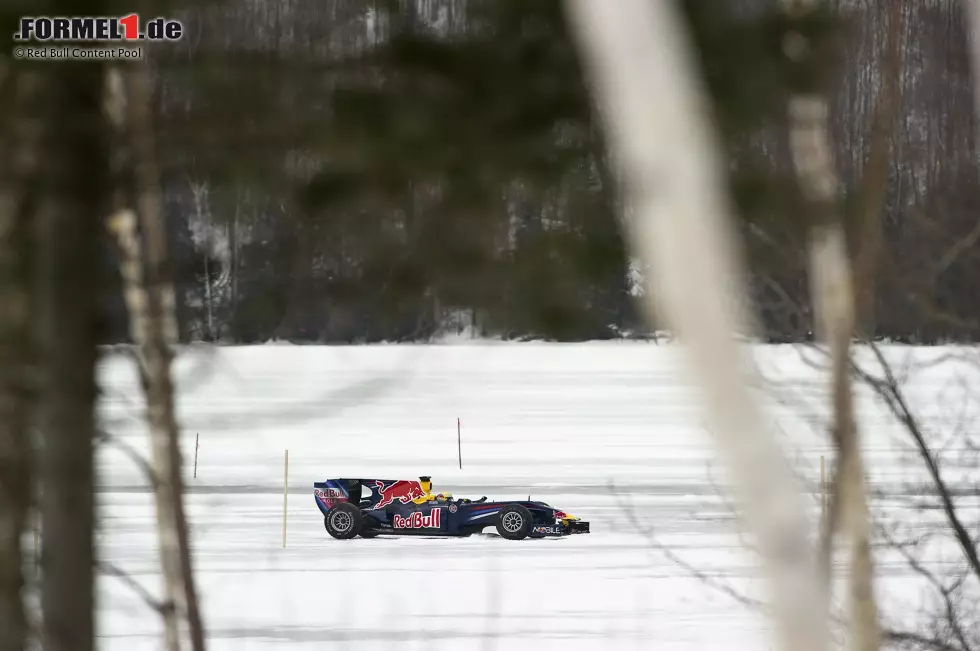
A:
(459, 444)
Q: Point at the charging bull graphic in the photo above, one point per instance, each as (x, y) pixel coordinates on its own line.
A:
(402, 490)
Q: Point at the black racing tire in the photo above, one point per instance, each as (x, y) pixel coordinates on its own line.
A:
(344, 521)
(514, 522)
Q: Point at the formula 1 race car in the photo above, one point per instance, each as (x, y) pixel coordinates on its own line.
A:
(400, 507)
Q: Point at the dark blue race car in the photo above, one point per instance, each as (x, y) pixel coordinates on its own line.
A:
(370, 507)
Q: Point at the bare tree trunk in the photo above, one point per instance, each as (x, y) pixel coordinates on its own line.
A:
(70, 199)
(235, 261)
(874, 181)
(18, 165)
(973, 31)
(161, 334)
(201, 194)
(658, 129)
(153, 329)
(833, 298)
(123, 225)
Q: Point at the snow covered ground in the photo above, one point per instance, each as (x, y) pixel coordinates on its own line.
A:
(607, 431)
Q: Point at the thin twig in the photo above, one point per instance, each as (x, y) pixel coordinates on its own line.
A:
(909, 638)
(895, 399)
(647, 532)
(132, 454)
(944, 592)
(111, 570)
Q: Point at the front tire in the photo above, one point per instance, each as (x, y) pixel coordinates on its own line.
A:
(514, 522)
(344, 521)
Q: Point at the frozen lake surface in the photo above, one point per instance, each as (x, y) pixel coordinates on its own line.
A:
(607, 431)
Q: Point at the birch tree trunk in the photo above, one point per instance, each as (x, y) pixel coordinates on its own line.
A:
(659, 131)
(123, 225)
(19, 153)
(233, 250)
(150, 302)
(833, 299)
(972, 14)
(161, 334)
(201, 195)
(874, 181)
(70, 199)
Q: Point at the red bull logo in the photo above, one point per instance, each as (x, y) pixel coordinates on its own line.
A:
(403, 490)
(418, 521)
(330, 496)
(330, 493)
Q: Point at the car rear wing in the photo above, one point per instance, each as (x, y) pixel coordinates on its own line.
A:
(331, 492)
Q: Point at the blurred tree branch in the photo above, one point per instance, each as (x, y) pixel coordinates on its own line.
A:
(71, 195)
(650, 95)
(873, 190)
(150, 300)
(161, 334)
(834, 308)
(19, 158)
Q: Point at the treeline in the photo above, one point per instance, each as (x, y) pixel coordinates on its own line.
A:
(347, 171)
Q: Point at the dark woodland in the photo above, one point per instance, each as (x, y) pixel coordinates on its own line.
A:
(354, 172)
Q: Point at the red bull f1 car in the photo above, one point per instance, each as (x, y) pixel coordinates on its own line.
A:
(372, 507)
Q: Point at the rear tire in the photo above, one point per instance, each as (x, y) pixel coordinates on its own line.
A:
(344, 521)
(514, 522)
